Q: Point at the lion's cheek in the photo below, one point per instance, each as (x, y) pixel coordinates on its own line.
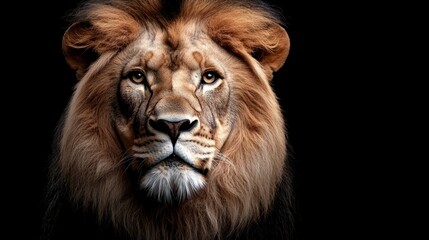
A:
(222, 134)
(125, 133)
(128, 113)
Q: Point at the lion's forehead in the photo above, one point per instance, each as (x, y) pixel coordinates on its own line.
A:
(179, 47)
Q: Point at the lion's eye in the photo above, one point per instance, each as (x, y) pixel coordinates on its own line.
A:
(210, 77)
(136, 76)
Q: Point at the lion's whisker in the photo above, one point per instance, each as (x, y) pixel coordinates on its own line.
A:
(221, 157)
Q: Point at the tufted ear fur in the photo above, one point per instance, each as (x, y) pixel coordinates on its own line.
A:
(253, 36)
(103, 29)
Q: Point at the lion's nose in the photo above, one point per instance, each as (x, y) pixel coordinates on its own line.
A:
(173, 129)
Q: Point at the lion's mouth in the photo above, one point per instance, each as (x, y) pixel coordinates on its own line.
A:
(174, 162)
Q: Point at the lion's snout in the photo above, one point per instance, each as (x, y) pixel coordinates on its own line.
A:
(173, 128)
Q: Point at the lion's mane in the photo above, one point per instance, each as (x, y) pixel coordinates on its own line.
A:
(248, 192)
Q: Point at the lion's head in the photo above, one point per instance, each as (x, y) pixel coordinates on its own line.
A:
(173, 130)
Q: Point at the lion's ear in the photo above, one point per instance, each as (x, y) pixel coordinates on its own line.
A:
(273, 48)
(103, 29)
(253, 37)
(78, 50)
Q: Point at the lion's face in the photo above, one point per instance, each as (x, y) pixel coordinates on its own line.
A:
(174, 110)
(174, 115)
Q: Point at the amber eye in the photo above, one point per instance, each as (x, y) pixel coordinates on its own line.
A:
(136, 76)
(210, 77)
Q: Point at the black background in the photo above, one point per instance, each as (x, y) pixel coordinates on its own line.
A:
(326, 88)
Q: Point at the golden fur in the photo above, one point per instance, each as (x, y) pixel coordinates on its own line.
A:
(239, 122)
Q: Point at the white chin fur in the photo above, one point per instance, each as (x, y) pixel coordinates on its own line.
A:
(172, 184)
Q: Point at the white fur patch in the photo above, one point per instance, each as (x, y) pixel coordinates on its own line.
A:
(171, 183)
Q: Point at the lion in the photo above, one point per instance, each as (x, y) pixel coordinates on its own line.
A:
(173, 130)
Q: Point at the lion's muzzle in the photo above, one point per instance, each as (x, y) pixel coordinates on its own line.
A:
(173, 153)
